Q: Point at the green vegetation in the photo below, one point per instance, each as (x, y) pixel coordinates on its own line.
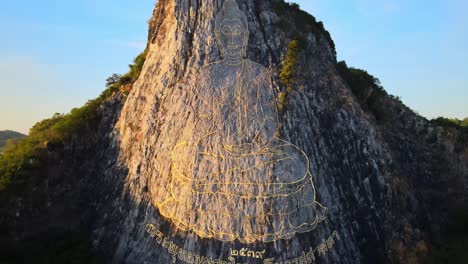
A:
(23, 157)
(296, 22)
(368, 90)
(8, 135)
(134, 73)
(288, 72)
(291, 59)
(113, 79)
(450, 122)
(281, 101)
(374, 99)
(459, 125)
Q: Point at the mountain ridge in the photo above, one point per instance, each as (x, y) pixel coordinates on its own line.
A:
(6, 135)
(382, 173)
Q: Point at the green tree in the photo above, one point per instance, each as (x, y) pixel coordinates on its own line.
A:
(25, 157)
(113, 79)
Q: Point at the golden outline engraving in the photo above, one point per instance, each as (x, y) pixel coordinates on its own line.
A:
(212, 170)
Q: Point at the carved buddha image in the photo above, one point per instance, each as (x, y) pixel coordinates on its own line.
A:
(232, 177)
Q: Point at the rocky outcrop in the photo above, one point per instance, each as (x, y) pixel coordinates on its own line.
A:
(372, 176)
(387, 184)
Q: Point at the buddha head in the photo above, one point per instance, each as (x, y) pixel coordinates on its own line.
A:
(231, 30)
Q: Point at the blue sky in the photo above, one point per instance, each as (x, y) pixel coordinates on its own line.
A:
(56, 55)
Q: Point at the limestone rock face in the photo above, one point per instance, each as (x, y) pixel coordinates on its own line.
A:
(199, 164)
(203, 168)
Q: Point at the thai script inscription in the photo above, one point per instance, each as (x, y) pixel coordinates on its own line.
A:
(245, 252)
(184, 256)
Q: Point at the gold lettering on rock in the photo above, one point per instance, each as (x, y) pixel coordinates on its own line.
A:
(184, 256)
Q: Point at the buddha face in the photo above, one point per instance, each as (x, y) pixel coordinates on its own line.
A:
(232, 36)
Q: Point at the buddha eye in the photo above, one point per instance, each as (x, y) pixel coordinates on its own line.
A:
(237, 32)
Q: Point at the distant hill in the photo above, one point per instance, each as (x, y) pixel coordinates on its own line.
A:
(8, 134)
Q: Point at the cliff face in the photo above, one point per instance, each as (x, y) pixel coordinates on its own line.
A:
(387, 184)
(375, 178)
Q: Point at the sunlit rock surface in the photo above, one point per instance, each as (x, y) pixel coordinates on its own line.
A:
(386, 185)
(357, 168)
